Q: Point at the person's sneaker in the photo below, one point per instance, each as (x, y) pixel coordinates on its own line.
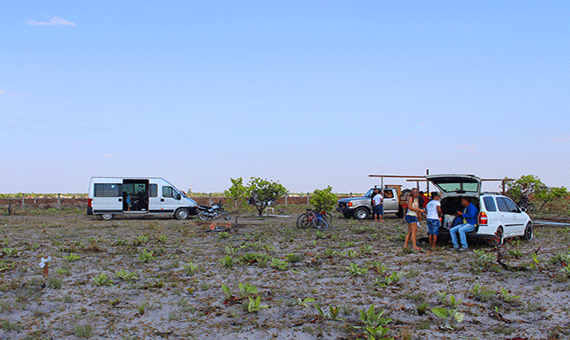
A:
(461, 250)
(452, 249)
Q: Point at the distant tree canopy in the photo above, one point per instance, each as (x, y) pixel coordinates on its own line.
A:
(532, 187)
(264, 192)
(238, 193)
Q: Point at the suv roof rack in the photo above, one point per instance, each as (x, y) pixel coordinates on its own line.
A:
(491, 193)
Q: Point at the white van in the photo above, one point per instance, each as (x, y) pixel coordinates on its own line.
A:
(109, 196)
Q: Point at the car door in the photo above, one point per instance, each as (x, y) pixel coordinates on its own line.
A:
(507, 217)
(170, 199)
(456, 185)
(519, 219)
(107, 198)
(390, 201)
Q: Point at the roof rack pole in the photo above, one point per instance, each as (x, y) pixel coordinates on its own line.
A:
(427, 189)
(382, 184)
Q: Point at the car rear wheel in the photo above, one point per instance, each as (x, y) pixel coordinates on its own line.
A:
(528, 233)
(107, 217)
(361, 213)
(181, 214)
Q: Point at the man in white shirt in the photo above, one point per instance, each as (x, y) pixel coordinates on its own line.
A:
(433, 213)
(378, 199)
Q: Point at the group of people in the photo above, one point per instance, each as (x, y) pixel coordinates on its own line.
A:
(418, 204)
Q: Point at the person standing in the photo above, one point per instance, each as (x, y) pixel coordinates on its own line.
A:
(378, 201)
(433, 209)
(412, 219)
(468, 218)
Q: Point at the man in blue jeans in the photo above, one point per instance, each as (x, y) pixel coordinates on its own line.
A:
(468, 221)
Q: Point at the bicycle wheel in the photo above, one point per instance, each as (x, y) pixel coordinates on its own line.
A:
(329, 218)
(226, 215)
(320, 223)
(531, 208)
(303, 221)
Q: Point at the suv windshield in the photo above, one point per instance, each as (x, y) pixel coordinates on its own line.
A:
(369, 193)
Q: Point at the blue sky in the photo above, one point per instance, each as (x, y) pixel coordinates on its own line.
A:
(309, 93)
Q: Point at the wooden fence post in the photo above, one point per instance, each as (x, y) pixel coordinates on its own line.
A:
(23, 198)
(308, 198)
(286, 199)
(59, 200)
(210, 196)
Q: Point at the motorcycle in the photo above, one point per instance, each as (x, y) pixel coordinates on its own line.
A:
(217, 209)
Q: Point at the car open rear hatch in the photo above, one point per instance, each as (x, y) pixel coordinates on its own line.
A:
(457, 185)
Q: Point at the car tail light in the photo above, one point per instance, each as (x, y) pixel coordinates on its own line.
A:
(89, 200)
(350, 204)
(483, 218)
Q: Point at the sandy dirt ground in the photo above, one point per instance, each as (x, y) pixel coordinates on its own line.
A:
(161, 295)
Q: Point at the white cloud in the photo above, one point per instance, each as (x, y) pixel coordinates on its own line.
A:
(562, 139)
(15, 94)
(111, 155)
(55, 21)
(1, 92)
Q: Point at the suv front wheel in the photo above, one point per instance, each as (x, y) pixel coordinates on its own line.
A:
(361, 213)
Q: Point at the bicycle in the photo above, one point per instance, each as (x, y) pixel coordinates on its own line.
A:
(311, 217)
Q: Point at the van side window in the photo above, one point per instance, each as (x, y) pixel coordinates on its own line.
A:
(502, 205)
(511, 205)
(153, 190)
(107, 190)
(490, 204)
(167, 192)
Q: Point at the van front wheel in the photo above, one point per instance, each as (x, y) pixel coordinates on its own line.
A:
(181, 214)
(107, 217)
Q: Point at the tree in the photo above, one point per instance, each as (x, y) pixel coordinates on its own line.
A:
(263, 192)
(532, 186)
(528, 185)
(238, 194)
(323, 200)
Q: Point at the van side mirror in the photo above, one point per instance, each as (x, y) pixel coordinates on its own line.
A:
(178, 197)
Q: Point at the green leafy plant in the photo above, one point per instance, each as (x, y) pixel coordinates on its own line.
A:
(333, 312)
(564, 270)
(223, 235)
(442, 297)
(251, 257)
(560, 258)
(292, 258)
(366, 249)
(535, 264)
(507, 297)
(141, 239)
(349, 254)
(449, 315)
(9, 251)
(453, 302)
(146, 256)
(238, 194)
(120, 242)
(305, 302)
(126, 276)
(247, 289)
(378, 267)
(4, 266)
(162, 239)
(255, 305)
(190, 268)
(323, 200)
(330, 253)
(54, 283)
(72, 257)
(102, 280)
(515, 253)
(482, 293)
(227, 291)
(230, 250)
(354, 270)
(374, 323)
(482, 258)
(227, 261)
(390, 279)
(279, 264)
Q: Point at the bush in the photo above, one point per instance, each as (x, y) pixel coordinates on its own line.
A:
(323, 200)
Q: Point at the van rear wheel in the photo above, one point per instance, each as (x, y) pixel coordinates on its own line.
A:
(107, 217)
(181, 214)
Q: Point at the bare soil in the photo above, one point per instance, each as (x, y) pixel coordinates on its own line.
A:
(167, 301)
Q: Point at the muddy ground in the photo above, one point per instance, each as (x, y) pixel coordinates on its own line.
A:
(166, 299)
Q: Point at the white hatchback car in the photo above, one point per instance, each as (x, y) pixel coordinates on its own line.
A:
(499, 217)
